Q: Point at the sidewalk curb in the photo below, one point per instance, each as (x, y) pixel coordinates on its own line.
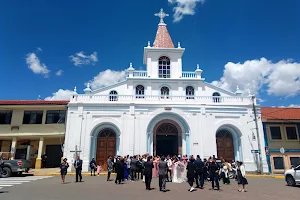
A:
(265, 176)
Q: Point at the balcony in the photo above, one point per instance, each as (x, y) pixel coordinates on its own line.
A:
(152, 99)
(143, 74)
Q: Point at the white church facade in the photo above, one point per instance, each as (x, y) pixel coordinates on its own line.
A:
(162, 110)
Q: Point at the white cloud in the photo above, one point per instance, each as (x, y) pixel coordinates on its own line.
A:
(294, 106)
(38, 49)
(81, 59)
(59, 72)
(280, 79)
(61, 94)
(184, 7)
(107, 77)
(35, 65)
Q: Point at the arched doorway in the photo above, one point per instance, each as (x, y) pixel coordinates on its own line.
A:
(225, 147)
(106, 146)
(166, 140)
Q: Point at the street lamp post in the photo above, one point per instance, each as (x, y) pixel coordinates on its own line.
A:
(260, 168)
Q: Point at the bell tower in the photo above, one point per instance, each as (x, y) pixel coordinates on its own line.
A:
(162, 59)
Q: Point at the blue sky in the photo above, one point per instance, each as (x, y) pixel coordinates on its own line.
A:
(261, 35)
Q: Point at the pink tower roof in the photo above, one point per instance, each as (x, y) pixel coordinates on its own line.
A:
(163, 38)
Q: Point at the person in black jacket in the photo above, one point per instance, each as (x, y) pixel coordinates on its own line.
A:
(119, 170)
(199, 172)
(93, 166)
(214, 169)
(78, 167)
(148, 173)
(191, 168)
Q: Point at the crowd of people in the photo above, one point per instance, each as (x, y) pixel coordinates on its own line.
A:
(175, 169)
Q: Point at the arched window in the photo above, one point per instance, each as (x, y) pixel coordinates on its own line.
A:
(113, 95)
(165, 92)
(189, 92)
(164, 67)
(139, 92)
(216, 97)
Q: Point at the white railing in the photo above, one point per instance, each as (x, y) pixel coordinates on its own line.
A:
(140, 73)
(189, 75)
(84, 98)
(143, 73)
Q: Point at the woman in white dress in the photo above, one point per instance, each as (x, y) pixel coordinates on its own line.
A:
(179, 167)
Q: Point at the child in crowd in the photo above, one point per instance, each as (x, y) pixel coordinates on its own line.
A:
(99, 169)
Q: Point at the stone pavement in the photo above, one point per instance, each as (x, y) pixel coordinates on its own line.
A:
(99, 188)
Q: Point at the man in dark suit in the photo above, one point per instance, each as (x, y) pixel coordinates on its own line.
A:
(191, 168)
(119, 170)
(133, 168)
(214, 168)
(199, 172)
(78, 167)
(162, 173)
(148, 173)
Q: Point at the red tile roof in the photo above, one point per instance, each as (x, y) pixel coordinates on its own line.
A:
(163, 38)
(33, 102)
(280, 113)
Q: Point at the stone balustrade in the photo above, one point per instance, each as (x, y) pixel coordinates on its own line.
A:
(143, 73)
(189, 75)
(85, 98)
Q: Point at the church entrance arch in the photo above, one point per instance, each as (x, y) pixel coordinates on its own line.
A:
(167, 138)
(106, 146)
(225, 146)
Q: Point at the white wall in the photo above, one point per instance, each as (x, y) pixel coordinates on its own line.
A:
(133, 122)
(152, 62)
(152, 87)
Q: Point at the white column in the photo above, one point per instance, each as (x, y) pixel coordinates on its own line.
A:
(38, 160)
(13, 147)
(41, 144)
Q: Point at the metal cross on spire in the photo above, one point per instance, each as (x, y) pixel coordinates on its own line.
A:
(161, 15)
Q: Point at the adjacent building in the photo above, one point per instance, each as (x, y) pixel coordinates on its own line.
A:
(163, 110)
(281, 129)
(28, 129)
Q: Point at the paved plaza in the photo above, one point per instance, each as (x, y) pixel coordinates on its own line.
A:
(98, 188)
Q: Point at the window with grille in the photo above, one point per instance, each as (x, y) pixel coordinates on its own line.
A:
(5, 117)
(165, 92)
(55, 116)
(291, 133)
(164, 68)
(216, 97)
(278, 162)
(139, 92)
(33, 117)
(275, 132)
(113, 96)
(295, 161)
(189, 92)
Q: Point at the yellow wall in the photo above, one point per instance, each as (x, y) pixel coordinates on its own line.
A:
(287, 162)
(52, 133)
(5, 147)
(30, 129)
(287, 144)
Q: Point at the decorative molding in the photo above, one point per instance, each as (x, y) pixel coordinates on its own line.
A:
(100, 116)
(229, 117)
(107, 108)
